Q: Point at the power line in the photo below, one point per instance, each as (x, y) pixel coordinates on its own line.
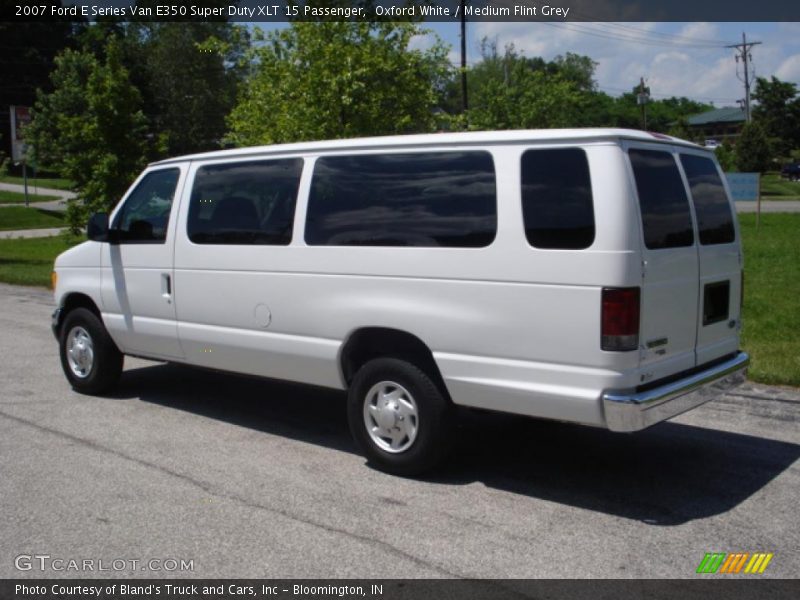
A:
(672, 37)
(634, 39)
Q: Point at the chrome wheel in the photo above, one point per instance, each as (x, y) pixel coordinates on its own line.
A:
(390, 416)
(80, 352)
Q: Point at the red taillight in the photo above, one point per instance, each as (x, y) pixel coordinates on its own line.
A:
(620, 319)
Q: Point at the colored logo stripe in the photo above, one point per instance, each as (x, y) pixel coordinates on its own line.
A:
(722, 562)
(734, 562)
(711, 562)
(758, 563)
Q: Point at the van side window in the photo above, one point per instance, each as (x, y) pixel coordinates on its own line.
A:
(144, 217)
(557, 204)
(421, 199)
(714, 218)
(244, 202)
(666, 220)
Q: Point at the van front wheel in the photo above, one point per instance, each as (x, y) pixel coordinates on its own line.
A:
(90, 358)
(398, 416)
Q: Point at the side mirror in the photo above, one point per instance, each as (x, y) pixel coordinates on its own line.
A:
(97, 228)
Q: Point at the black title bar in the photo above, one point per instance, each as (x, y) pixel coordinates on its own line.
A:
(705, 588)
(255, 11)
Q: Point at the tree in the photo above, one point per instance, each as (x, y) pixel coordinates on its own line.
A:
(753, 150)
(577, 69)
(91, 128)
(778, 111)
(509, 91)
(188, 74)
(318, 80)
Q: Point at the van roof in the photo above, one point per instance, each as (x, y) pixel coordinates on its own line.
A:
(439, 139)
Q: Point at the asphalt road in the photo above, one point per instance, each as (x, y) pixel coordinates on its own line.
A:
(252, 478)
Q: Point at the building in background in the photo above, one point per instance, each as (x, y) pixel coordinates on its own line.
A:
(720, 124)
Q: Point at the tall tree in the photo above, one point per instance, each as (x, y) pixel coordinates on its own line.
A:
(91, 128)
(188, 74)
(778, 111)
(510, 91)
(318, 80)
(577, 69)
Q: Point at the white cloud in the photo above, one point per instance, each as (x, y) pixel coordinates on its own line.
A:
(681, 60)
(789, 70)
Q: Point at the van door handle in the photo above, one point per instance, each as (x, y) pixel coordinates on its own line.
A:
(166, 286)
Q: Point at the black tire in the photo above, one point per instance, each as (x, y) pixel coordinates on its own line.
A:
(433, 419)
(103, 370)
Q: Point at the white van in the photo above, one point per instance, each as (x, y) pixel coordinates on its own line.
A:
(591, 276)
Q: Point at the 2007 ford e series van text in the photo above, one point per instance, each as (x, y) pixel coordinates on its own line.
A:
(591, 276)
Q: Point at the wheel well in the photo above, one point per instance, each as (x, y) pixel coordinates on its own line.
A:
(376, 342)
(76, 300)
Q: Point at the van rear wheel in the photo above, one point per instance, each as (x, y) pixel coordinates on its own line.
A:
(90, 358)
(399, 417)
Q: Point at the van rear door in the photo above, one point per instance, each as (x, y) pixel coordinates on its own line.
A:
(670, 268)
(719, 252)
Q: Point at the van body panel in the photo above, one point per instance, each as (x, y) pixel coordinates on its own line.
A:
(77, 268)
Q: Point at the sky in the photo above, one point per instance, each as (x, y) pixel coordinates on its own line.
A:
(676, 59)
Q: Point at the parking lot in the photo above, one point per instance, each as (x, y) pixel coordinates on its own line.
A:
(250, 478)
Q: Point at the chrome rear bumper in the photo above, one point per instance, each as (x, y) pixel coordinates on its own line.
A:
(638, 410)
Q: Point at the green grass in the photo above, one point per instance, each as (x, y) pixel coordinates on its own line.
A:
(773, 187)
(17, 198)
(22, 217)
(30, 261)
(55, 184)
(771, 315)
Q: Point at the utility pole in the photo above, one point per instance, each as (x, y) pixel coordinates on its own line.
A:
(747, 58)
(464, 101)
(642, 98)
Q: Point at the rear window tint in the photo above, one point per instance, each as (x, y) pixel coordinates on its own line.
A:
(666, 220)
(247, 203)
(557, 205)
(714, 216)
(422, 199)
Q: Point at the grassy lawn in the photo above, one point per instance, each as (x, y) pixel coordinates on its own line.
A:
(775, 188)
(771, 316)
(22, 217)
(30, 261)
(56, 184)
(771, 332)
(15, 198)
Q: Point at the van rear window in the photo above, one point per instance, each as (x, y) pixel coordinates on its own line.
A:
(714, 217)
(666, 220)
(557, 202)
(423, 199)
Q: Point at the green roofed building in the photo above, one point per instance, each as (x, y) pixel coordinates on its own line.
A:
(720, 124)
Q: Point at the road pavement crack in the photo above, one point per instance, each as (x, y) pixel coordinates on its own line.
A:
(208, 489)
